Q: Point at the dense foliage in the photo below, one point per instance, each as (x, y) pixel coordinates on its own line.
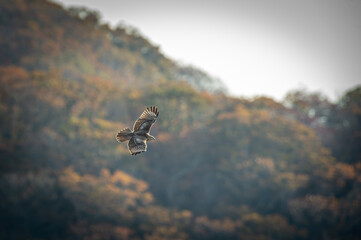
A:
(221, 168)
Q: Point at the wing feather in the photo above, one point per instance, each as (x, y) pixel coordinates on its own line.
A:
(124, 135)
(146, 119)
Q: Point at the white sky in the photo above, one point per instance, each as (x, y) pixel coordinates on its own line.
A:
(256, 47)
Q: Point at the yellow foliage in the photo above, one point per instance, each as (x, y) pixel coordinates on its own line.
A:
(259, 116)
(70, 176)
(240, 113)
(253, 217)
(127, 180)
(111, 193)
(106, 124)
(83, 122)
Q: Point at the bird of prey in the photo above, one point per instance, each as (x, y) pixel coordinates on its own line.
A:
(139, 137)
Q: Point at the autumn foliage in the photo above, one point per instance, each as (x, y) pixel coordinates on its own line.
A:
(221, 167)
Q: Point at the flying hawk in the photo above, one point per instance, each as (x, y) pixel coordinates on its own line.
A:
(140, 135)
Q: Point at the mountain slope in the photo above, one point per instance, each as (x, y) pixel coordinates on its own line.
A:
(79, 45)
(221, 167)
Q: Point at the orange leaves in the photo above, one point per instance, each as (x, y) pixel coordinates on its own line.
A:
(241, 114)
(13, 78)
(117, 192)
(346, 170)
(260, 116)
(214, 154)
(128, 181)
(12, 73)
(340, 173)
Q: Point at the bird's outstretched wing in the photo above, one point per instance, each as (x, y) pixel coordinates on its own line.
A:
(146, 119)
(137, 145)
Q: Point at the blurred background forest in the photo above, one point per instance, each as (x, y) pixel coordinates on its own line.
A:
(222, 167)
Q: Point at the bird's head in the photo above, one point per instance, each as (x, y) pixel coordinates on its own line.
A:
(151, 138)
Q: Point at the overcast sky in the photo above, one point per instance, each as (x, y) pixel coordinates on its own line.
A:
(256, 47)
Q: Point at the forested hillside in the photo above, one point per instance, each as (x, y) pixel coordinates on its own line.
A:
(221, 167)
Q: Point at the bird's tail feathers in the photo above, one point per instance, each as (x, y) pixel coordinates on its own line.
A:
(124, 135)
